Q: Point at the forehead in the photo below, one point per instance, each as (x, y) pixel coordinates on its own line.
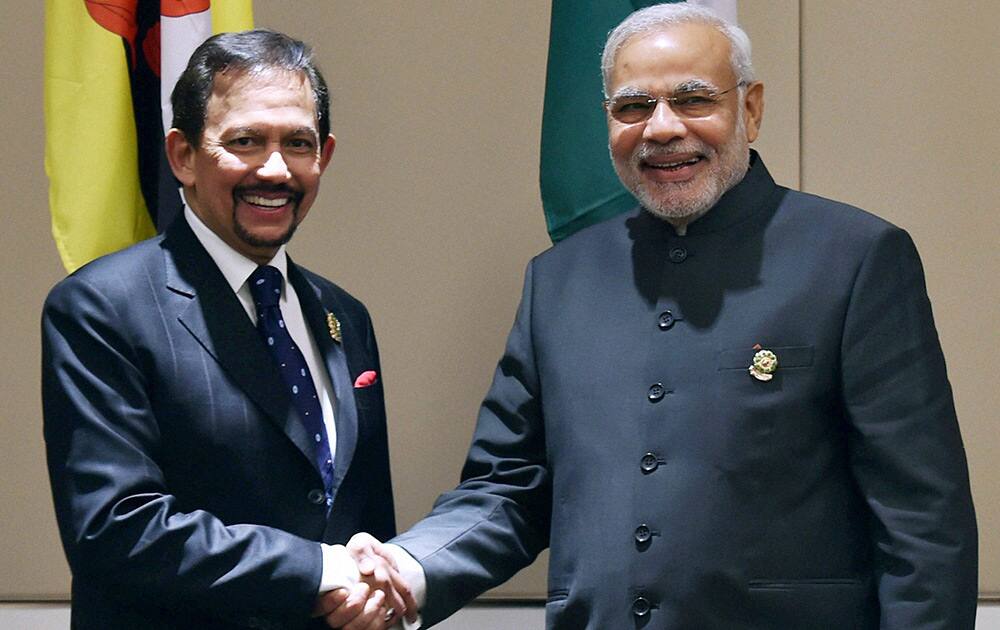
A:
(241, 98)
(662, 59)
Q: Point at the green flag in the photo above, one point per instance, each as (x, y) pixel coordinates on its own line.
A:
(578, 183)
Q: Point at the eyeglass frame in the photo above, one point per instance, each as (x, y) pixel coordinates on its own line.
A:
(670, 101)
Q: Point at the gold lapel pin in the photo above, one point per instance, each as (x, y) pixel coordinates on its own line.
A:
(765, 364)
(334, 325)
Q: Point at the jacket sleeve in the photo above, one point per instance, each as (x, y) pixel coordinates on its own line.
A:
(497, 520)
(905, 447)
(120, 525)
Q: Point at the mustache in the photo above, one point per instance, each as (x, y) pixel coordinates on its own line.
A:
(294, 195)
(647, 151)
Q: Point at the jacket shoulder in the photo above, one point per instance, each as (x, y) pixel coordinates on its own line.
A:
(824, 213)
(612, 234)
(117, 276)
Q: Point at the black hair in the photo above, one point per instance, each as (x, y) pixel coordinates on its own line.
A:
(246, 51)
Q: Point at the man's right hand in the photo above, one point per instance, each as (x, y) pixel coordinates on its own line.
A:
(381, 598)
(359, 608)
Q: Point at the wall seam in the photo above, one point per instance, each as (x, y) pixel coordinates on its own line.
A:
(801, 161)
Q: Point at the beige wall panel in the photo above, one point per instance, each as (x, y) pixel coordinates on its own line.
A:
(773, 27)
(31, 560)
(899, 117)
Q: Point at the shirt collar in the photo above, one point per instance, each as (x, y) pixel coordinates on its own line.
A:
(235, 267)
(740, 202)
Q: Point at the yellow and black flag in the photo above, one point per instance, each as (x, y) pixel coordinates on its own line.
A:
(110, 66)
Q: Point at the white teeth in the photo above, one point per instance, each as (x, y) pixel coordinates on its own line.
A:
(674, 164)
(264, 201)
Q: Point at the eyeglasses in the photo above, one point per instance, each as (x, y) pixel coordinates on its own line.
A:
(689, 103)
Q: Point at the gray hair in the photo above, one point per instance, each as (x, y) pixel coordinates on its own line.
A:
(661, 16)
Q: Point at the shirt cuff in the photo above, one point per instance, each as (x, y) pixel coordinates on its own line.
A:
(339, 569)
(411, 572)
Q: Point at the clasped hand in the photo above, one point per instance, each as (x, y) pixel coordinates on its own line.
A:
(381, 597)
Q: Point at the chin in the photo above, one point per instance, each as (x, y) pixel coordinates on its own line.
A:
(267, 235)
(674, 206)
(270, 238)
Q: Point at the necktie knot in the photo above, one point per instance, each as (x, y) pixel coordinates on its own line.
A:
(265, 286)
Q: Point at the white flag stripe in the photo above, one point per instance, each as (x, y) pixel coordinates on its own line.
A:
(179, 36)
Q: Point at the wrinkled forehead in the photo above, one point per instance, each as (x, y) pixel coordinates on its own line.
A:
(245, 82)
(668, 57)
(236, 90)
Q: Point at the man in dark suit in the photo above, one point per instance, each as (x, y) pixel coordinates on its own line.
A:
(725, 410)
(214, 416)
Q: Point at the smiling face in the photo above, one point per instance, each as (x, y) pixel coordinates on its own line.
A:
(678, 167)
(255, 173)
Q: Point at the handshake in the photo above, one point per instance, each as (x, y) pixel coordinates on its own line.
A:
(380, 598)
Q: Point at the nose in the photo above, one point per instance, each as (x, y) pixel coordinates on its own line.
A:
(663, 125)
(274, 168)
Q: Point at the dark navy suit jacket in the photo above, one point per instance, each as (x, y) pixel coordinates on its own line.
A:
(676, 491)
(183, 481)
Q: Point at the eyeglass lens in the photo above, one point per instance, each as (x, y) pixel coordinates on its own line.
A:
(635, 108)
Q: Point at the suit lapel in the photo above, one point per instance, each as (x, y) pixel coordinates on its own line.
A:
(216, 319)
(338, 360)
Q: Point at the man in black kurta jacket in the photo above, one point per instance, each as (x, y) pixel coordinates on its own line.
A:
(727, 409)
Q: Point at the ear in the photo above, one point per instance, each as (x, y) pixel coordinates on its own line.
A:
(180, 155)
(326, 152)
(753, 110)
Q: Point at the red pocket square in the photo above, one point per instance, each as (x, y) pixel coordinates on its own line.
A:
(366, 378)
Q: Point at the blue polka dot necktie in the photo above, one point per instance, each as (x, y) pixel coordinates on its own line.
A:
(265, 286)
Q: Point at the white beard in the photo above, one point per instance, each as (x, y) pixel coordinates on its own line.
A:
(688, 200)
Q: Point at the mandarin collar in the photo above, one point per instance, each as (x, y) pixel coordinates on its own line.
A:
(736, 205)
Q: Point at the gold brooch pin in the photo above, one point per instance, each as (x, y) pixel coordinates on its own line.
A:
(765, 364)
(334, 325)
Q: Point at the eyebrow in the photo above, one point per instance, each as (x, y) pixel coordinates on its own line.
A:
(233, 131)
(310, 131)
(629, 91)
(255, 131)
(691, 85)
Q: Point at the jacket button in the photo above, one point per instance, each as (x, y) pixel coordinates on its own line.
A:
(678, 255)
(666, 320)
(656, 392)
(648, 463)
(643, 533)
(316, 496)
(640, 607)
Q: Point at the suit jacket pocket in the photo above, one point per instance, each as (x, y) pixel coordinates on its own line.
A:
(816, 604)
(368, 397)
